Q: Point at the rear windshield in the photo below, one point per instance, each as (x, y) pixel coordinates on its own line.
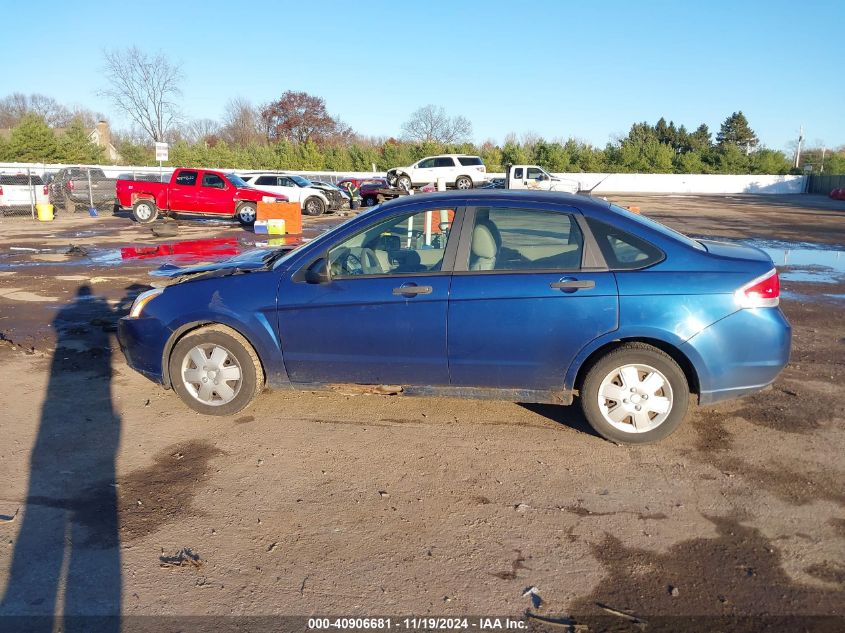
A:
(469, 160)
(657, 226)
(20, 180)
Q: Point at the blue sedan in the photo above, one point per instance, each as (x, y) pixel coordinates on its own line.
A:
(526, 296)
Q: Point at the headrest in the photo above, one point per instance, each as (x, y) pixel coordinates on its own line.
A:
(483, 242)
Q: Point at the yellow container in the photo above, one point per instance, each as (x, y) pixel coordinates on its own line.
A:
(44, 211)
(276, 227)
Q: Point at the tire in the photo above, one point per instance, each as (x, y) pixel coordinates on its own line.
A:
(403, 182)
(370, 201)
(314, 206)
(144, 211)
(463, 182)
(653, 374)
(186, 364)
(246, 214)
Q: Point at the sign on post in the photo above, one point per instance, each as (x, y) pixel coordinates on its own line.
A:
(161, 151)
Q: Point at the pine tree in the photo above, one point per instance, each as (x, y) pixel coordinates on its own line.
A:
(736, 131)
(76, 146)
(32, 141)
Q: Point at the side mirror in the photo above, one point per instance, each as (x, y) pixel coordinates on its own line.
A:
(318, 272)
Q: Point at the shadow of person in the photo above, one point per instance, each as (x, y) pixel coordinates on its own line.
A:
(66, 562)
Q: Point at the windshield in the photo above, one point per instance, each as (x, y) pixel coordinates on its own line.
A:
(237, 181)
(302, 182)
(324, 236)
(660, 228)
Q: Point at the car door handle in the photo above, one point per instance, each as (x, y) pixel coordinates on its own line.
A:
(412, 290)
(573, 284)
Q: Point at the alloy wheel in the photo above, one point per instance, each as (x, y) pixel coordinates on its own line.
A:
(635, 398)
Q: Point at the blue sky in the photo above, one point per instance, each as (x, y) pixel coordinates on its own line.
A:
(556, 68)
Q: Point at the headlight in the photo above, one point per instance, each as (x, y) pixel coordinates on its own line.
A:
(142, 300)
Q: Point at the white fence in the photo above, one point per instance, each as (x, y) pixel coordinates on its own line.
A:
(715, 184)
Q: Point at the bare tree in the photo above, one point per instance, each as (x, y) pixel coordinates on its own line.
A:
(145, 88)
(199, 130)
(16, 105)
(431, 124)
(242, 124)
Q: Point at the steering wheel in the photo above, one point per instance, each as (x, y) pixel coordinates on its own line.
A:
(364, 262)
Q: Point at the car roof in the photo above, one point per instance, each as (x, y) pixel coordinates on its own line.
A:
(464, 198)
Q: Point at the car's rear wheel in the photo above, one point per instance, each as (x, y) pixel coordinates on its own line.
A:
(370, 201)
(144, 211)
(635, 394)
(314, 206)
(463, 182)
(215, 371)
(403, 182)
(246, 214)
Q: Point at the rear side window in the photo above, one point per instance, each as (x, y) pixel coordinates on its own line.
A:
(267, 181)
(525, 239)
(469, 160)
(444, 161)
(188, 178)
(622, 250)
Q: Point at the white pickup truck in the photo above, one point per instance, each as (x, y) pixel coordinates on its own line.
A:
(19, 191)
(536, 178)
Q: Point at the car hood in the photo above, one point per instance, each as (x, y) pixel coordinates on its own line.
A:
(255, 260)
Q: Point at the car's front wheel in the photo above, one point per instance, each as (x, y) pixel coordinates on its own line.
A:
(403, 182)
(635, 394)
(215, 371)
(246, 214)
(314, 206)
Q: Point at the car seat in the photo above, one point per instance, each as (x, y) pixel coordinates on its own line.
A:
(485, 246)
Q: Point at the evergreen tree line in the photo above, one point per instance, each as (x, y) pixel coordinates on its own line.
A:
(647, 148)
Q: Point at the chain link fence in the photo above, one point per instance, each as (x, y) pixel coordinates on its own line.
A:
(68, 189)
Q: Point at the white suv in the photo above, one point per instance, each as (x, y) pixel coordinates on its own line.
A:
(311, 200)
(460, 171)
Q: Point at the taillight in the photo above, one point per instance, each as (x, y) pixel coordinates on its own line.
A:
(1, 190)
(70, 185)
(762, 292)
(44, 190)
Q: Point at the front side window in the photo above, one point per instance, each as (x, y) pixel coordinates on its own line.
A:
(428, 163)
(524, 239)
(401, 245)
(187, 178)
(534, 173)
(213, 181)
(622, 250)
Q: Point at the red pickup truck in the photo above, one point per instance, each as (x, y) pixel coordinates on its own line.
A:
(193, 191)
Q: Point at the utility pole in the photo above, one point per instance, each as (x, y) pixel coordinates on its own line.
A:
(798, 151)
(821, 169)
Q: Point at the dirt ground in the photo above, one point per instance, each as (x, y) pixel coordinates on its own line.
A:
(118, 498)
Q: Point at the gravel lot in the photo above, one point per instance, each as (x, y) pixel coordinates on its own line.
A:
(357, 504)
